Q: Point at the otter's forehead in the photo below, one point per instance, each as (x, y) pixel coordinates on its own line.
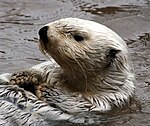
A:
(78, 24)
(90, 27)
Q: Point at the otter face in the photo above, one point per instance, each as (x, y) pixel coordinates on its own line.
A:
(81, 46)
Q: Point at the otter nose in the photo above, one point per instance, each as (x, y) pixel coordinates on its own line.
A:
(43, 34)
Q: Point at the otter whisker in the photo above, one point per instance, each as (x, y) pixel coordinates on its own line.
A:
(42, 49)
(84, 74)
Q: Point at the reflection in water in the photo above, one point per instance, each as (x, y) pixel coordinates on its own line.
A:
(109, 10)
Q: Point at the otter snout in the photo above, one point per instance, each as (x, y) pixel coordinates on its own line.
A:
(43, 34)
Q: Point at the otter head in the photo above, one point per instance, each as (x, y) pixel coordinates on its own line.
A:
(85, 49)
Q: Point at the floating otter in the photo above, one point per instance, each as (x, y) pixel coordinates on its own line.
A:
(91, 70)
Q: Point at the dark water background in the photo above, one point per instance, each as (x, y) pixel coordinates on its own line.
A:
(20, 21)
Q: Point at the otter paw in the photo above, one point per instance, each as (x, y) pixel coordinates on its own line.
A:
(39, 92)
(26, 80)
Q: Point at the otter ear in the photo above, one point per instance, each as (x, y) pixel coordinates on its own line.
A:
(113, 52)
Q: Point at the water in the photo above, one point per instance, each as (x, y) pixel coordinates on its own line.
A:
(21, 20)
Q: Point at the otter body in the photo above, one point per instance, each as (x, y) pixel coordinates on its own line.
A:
(91, 70)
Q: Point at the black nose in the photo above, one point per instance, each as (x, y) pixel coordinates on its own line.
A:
(43, 34)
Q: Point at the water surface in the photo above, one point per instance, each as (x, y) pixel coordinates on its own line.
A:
(21, 20)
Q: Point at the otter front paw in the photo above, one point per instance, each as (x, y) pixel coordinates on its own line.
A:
(39, 91)
(27, 80)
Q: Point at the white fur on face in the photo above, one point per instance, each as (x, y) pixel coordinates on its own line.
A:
(90, 52)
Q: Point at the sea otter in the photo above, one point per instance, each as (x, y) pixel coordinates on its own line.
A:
(89, 68)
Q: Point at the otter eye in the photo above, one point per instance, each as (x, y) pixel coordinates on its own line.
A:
(78, 38)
